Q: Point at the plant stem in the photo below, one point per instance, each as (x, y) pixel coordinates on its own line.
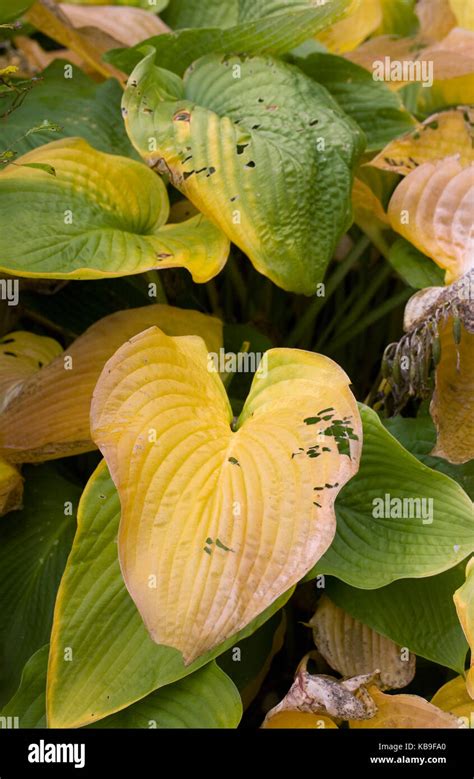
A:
(307, 319)
(371, 318)
(384, 272)
(238, 282)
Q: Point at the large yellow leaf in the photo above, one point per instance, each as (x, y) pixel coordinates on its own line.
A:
(352, 648)
(369, 214)
(454, 698)
(218, 520)
(127, 26)
(432, 208)
(299, 719)
(464, 602)
(99, 215)
(61, 392)
(439, 136)
(22, 355)
(11, 487)
(361, 19)
(405, 711)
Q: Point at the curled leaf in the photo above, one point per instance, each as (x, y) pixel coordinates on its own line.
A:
(432, 208)
(352, 648)
(62, 391)
(232, 514)
(126, 26)
(114, 226)
(22, 355)
(219, 131)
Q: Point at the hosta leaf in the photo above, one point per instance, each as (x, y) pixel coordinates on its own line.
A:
(22, 355)
(454, 698)
(205, 699)
(370, 550)
(369, 214)
(379, 111)
(464, 602)
(441, 135)
(61, 427)
(155, 6)
(351, 648)
(194, 13)
(11, 487)
(34, 545)
(273, 34)
(299, 719)
(127, 26)
(233, 540)
(219, 135)
(76, 106)
(114, 661)
(12, 9)
(436, 19)
(363, 17)
(54, 227)
(432, 208)
(419, 437)
(405, 711)
(418, 614)
(415, 268)
(398, 17)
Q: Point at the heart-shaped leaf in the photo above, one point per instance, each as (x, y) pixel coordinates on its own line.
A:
(432, 208)
(102, 658)
(218, 522)
(219, 131)
(397, 518)
(62, 391)
(100, 215)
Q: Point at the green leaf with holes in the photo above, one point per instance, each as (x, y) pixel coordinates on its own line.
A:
(415, 613)
(34, 545)
(206, 698)
(275, 34)
(99, 216)
(114, 660)
(396, 518)
(218, 133)
(377, 109)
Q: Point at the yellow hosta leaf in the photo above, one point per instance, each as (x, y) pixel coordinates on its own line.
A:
(464, 12)
(454, 698)
(405, 711)
(361, 19)
(61, 392)
(369, 214)
(128, 26)
(22, 354)
(11, 487)
(442, 135)
(436, 19)
(352, 648)
(299, 719)
(376, 49)
(464, 602)
(219, 520)
(432, 208)
(53, 226)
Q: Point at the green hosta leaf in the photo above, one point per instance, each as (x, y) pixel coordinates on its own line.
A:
(73, 104)
(224, 128)
(415, 613)
(12, 9)
(398, 18)
(378, 110)
(55, 227)
(274, 35)
(414, 267)
(205, 699)
(180, 14)
(114, 660)
(370, 551)
(34, 545)
(419, 437)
